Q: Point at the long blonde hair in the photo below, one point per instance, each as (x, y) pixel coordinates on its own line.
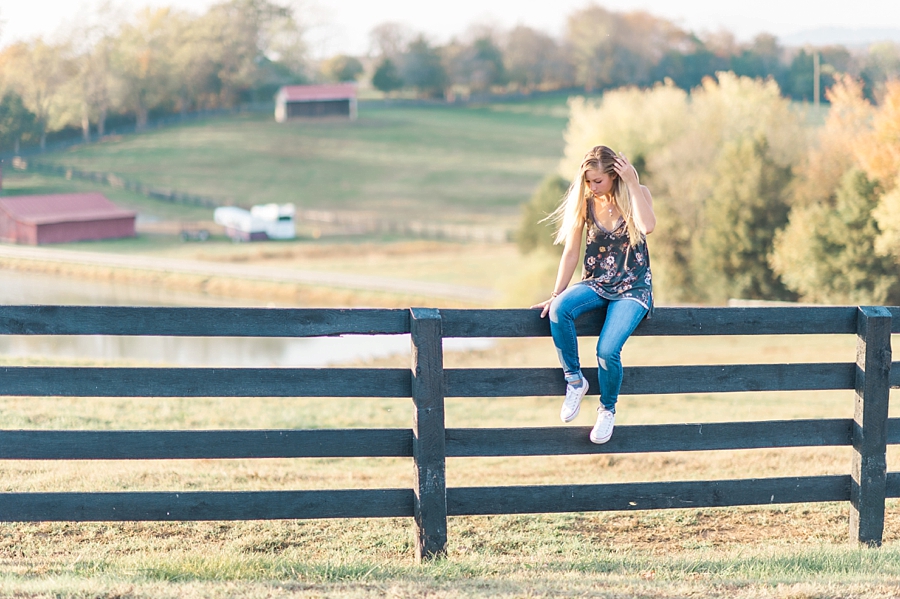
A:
(573, 210)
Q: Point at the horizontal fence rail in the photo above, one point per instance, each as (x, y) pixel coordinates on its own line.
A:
(396, 442)
(394, 382)
(202, 382)
(474, 501)
(200, 322)
(199, 505)
(318, 322)
(428, 442)
(203, 444)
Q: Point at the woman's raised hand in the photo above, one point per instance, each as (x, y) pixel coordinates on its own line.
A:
(625, 170)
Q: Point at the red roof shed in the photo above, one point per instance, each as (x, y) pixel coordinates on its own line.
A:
(305, 101)
(60, 218)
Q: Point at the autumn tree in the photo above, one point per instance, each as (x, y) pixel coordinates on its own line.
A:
(389, 40)
(679, 142)
(39, 72)
(833, 152)
(827, 253)
(534, 59)
(610, 49)
(477, 65)
(878, 152)
(342, 68)
(244, 36)
(142, 62)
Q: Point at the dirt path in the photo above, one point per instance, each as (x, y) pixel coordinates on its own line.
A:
(475, 295)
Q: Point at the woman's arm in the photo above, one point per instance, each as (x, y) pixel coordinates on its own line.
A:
(567, 264)
(642, 201)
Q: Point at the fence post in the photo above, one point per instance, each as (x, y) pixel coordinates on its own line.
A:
(429, 444)
(873, 383)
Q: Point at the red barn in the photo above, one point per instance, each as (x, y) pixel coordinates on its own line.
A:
(310, 101)
(60, 218)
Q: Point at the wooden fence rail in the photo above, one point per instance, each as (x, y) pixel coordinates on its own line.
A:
(868, 430)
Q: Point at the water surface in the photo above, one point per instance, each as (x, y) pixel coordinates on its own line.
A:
(26, 288)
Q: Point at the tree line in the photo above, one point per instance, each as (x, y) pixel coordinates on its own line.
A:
(117, 68)
(158, 61)
(752, 202)
(603, 49)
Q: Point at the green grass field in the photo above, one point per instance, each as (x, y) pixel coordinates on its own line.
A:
(466, 164)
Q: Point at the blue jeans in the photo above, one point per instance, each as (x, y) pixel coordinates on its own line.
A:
(622, 317)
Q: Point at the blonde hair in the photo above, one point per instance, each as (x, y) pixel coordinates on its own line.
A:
(573, 210)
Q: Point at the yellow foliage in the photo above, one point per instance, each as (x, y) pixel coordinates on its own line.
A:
(887, 215)
(722, 110)
(679, 140)
(848, 118)
(629, 120)
(878, 151)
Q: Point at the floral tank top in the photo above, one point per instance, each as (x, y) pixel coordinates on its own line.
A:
(613, 268)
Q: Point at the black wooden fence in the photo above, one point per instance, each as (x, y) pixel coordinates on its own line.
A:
(428, 442)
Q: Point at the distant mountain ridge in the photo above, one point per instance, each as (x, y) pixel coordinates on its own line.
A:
(824, 36)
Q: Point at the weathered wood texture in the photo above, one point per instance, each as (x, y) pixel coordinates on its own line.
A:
(429, 450)
(460, 442)
(892, 486)
(893, 431)
(204, 382)
(665, 321)
(428, 442)
(649, 380)
(573, 440)
(200, 322)
(206, 444)
(869, 470)
(471, 501)
(395, 382)
(895, 318)
(306, 322)
(224, 505)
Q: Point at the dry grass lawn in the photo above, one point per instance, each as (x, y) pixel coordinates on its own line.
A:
(773, 551)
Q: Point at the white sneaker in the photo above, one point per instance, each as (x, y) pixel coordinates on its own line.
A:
(602, 431)
(572, 404)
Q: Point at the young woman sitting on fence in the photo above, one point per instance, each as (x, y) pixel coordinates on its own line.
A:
(607, 198)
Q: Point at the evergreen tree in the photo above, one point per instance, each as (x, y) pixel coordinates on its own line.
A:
(534, 232)
(747, 206)
(827, 253)
(422, 68)
(17, 123)
(386, 77)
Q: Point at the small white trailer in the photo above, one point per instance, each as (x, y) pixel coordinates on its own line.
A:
(266, 221)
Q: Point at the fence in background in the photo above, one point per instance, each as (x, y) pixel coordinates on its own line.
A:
(327, 222)
(428, 442)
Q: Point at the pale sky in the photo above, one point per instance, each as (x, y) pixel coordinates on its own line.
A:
(343, 25)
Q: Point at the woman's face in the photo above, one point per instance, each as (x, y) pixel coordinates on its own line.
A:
(600, 183)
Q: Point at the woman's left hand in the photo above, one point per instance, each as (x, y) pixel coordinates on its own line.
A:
(626, 171)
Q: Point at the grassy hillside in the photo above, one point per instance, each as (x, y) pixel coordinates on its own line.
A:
(26, 183)
(464, 164)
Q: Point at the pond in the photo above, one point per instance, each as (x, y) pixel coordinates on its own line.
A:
(18, 288)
